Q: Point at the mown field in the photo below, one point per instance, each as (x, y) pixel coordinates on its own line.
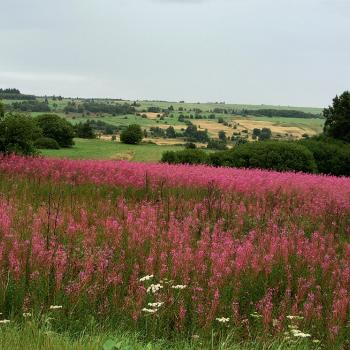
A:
(106, 149)
(191, 257)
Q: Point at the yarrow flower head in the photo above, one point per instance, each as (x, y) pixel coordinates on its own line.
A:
(27, 314)
(146, 278)
(291, 317)
(223, 319)
(4, 321)
(155, 305)
(154, 288)
(150, 311)
(179, 286)
(56, 307)
(300, 334)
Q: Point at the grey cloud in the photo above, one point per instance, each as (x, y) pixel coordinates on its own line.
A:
(244, 51)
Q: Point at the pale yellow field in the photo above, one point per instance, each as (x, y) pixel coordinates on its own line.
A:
(276, 129)
(214, 127)
(152, 116)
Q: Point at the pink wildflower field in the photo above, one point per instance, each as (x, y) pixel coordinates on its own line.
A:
(186, 249)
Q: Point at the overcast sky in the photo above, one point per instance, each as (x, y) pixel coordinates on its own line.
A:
(283, 52)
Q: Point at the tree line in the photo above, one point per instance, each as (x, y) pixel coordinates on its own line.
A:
(14, 94)
(280, 113)
(99, 107)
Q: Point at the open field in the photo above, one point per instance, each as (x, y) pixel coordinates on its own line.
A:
(281, 127)
(205, 107)
(103, 149)
(175, 252)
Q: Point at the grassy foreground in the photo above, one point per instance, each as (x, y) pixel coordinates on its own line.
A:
(37, 337)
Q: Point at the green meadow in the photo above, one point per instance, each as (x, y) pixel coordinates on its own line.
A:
(104, 149)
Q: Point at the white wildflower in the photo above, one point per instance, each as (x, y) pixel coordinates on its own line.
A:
(291, 317)
(155, 305)
(56, 307)
(316, 341)
(150, 311)
(4, 321)
(27, 314)
(255, 315)
(303, 335)
(223, 319)
(179, 286)
(154, 288)
(146, 278)
(299, 334)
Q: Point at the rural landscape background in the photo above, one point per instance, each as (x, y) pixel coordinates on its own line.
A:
(174, 175)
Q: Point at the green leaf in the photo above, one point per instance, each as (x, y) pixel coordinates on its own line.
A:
(111, 345)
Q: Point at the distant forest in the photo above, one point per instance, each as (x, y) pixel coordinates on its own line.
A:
(280, 113)
(96, 107)
(14, 94)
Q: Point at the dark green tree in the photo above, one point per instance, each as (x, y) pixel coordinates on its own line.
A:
(265, 134)
(85, 131)
(222, 136)
(17, 134)
(132, 135)
(256, 132)
(337, 116)
(170, 132)
(56, 128)
(2, 110)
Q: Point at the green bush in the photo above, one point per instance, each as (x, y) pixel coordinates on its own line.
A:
(17, 133)
(187, 156)
(217, 144)
(56, 128)
(46, 143)
(190, 145)
(132, 135)
(332, 157)
(315, 155)
(280, 156)
(84, 130)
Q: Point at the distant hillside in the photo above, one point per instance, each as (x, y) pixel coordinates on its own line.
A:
(14, 94)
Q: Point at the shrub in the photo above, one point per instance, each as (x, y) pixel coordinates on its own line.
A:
(17, 133)
(188, 156)
(331, 157)
(85, 131)
(265, 134)
(281, 156)
(56, 128)
(46, 143)
(217, 144)
(132, 135)
(190, 145)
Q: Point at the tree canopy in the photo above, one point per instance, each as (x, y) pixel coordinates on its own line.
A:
(17, 134)
(337, 116)
(132, 135)
(84, 130)
(2, 110)
(56, 128)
